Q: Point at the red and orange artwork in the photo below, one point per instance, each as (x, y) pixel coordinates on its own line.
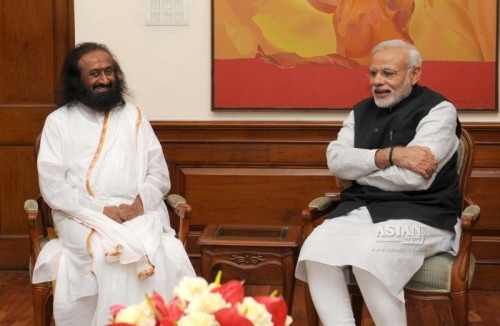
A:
(314, 54)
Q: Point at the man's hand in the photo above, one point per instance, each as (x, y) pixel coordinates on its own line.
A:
(129, 212)
(418, 159)
(112, 213)
(343, 184)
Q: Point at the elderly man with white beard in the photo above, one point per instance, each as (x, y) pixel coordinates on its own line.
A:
(395, 162)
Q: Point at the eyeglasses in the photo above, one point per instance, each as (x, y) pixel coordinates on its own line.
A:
(386, 73)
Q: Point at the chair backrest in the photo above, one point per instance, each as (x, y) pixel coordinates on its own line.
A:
(464, 163)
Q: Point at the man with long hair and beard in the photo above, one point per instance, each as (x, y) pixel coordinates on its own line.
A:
(102, 171)
(101, 94)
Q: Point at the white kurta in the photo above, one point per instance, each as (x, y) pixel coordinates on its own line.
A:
(354, 239)
(87, 162)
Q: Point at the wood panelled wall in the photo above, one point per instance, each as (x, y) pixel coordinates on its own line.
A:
(34, 39)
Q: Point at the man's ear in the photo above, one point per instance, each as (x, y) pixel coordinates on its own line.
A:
(415, 74)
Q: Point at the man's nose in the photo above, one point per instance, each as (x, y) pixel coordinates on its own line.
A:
(377, 79)
(103, 78)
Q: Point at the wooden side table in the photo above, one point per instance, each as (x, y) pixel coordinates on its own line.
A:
(251, 247)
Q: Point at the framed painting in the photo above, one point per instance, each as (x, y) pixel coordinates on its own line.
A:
(314, 54)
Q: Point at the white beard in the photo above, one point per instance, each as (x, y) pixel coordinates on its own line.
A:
(396, 96)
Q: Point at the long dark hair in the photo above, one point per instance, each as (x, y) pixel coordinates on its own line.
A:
(70, 79)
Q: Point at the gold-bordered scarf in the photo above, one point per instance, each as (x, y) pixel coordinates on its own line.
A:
(118, 249)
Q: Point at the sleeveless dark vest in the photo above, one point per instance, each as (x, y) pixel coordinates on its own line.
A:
(440, 205)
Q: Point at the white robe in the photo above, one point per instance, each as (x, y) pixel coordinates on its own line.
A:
(84, 164)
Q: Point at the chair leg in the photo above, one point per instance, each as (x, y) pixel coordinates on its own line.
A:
(357, 307)
(312, 315)
(42, 304)
(49, 310)
(460, 304)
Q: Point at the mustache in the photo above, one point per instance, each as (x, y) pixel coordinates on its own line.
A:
(101, 101)
(384, 88)
(101, 85)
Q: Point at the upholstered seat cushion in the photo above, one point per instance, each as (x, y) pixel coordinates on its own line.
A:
(435, 274)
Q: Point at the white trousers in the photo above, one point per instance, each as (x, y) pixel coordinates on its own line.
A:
(331, 297)
(384, 256)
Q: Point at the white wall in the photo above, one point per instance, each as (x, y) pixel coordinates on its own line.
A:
(168, 67)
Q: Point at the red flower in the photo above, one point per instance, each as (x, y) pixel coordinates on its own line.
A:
(230, 317)
(115, 309)
(231, 291)
(276, 306)
(167, 314)
(158, 303)
(195, 295)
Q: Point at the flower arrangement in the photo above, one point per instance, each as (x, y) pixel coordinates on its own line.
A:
(196, 302)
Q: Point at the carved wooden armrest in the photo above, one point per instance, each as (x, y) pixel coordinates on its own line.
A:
(179, 206)
(470, 216)
(174, 200)
(460, 268)
(31, 209)
(317, 209)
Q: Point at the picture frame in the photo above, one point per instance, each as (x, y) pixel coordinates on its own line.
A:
(299, 54)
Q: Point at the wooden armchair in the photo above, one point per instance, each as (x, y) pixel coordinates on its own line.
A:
(442, 277)
(41, 230)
